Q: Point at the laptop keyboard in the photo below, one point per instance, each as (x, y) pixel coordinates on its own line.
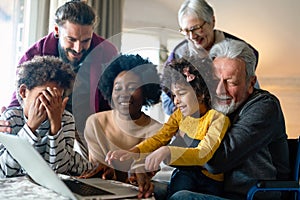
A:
(84, 189)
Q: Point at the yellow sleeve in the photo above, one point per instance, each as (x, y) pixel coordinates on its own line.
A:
(163, 136)
(219, 124)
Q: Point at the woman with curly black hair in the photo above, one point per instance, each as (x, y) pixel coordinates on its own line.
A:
(129, 82)
(146, 71)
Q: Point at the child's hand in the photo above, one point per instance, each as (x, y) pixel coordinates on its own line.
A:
(36, 114)
(121, 155)
(155, 158)
(54, 105)
(5, 126)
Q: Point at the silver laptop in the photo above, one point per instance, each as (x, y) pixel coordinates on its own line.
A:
(37, 168)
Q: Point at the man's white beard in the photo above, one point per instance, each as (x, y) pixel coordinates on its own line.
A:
(226, 109)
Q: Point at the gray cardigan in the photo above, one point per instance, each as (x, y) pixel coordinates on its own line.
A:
(255, 147)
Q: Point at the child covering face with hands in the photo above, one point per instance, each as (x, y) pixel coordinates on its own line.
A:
(197, 128)
(42, 120)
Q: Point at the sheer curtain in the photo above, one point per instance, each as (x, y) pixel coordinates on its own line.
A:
(36, 21)
(109, 14)
(26, 22)
(54, 4)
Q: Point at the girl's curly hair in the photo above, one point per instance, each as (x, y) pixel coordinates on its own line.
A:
(178, 70)
(138, 65)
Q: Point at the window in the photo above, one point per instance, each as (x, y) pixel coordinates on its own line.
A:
(146, 46)
(11, 20)
(150, 43)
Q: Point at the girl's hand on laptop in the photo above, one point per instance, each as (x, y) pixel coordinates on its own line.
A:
(156, 157)
(122, 155)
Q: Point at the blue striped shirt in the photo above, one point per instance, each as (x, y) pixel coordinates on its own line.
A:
(57, 150)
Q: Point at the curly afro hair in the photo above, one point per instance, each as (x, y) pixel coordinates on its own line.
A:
(145, 69)
(44, 69)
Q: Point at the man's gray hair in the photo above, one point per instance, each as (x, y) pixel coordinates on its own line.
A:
(230, 48)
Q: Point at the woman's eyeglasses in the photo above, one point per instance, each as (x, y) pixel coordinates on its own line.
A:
(186, 32)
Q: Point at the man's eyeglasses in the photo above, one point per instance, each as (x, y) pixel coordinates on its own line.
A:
(187, 32)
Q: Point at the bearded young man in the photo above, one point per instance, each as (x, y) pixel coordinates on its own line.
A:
(75, 42)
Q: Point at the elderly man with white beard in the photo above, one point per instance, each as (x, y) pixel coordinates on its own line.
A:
(255, 146)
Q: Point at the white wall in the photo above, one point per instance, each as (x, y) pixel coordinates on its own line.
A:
(272, 26)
